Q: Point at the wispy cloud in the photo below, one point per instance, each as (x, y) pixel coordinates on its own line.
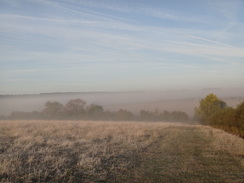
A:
(80, 11)
(228, 9)
(211, 41)
(84, 40)
(169, 15)
(104, 41)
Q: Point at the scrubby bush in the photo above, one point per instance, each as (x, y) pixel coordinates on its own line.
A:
(175, 116)
(208, 106)
(25, 115)
(214, 112)
(124, 115)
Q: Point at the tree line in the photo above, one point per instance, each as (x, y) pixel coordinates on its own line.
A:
(215, 112)
(211, 111)
(77, 109)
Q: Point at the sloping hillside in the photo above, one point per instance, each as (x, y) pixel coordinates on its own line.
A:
(69, 151)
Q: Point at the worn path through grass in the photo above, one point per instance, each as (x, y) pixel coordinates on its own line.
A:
(187, 154)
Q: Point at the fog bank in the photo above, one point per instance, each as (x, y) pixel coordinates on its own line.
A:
(180, 100)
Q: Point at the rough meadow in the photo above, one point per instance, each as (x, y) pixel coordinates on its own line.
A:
(87, 151)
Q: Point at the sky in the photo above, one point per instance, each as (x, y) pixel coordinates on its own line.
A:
(120, 45)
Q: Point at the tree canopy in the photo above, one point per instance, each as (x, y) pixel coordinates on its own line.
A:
(75, 106)
(208, 107)
(53, 109)
(214, 112)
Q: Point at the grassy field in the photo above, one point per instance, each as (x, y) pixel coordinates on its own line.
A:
(79, 151)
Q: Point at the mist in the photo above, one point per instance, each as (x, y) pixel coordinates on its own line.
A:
(177, 100)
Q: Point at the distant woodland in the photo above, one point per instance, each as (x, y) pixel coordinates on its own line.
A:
(77, 109)
(212, 111)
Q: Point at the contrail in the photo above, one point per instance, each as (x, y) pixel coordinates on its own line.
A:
(211, 41)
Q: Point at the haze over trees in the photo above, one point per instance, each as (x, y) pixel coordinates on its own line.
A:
(76, 109)
(211, 111)
(92, 149)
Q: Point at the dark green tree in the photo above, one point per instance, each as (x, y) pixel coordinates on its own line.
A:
(224, 118)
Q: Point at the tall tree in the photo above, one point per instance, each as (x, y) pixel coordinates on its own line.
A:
(208, 107)
(75, 107)
(95, 111)
(53, 109)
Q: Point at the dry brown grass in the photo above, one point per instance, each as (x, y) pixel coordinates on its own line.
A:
(87, 151)
(66, 151)
(192, 154)
(224, 141)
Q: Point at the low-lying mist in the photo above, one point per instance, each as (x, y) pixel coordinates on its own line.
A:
(180, 100)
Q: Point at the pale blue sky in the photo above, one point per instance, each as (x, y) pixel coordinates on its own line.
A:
(120, 45)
